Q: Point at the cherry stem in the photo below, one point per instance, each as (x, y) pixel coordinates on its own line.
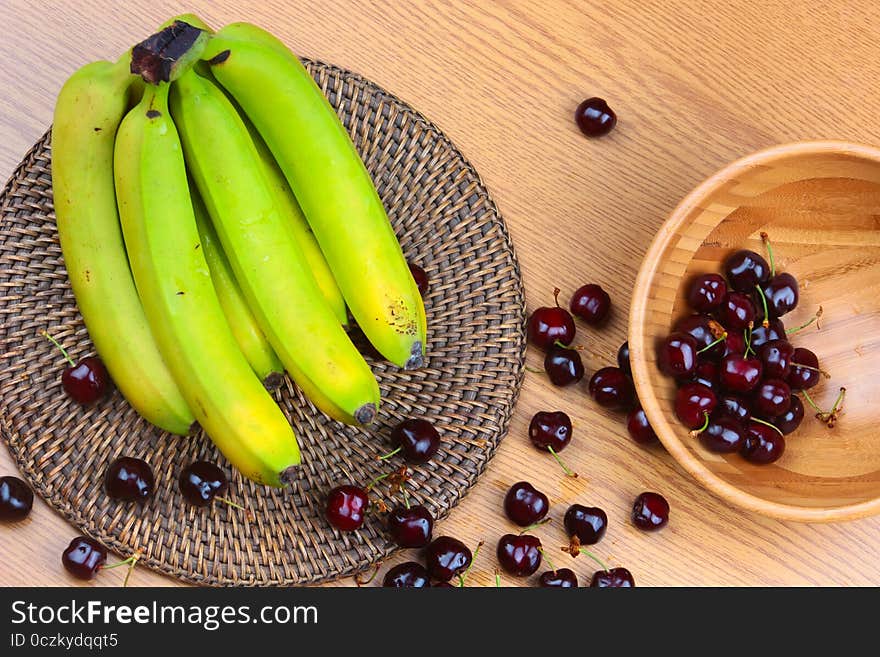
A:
(235, 505)
(828, 417)
(712, 344)
(558, 343)
(547, 559)
(594, 558)
(131, 562)
(766, 322)
(497, 579)
(772, 426)
(376, 481)
(568, 473)
(533, 525)
(470, 565)
(363, 582)
(533, 370)
(814, 318)
(747, 338)
(405, 496)
(556, 292)
(716, 329)
(697, 432)
(812, 369)
(67, 357)
(811, 402)
(766, 239)
(389, 454)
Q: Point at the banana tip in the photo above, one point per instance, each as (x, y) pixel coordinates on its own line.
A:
(365, 414)
(288, 475)
(273, 381)
(417, 358)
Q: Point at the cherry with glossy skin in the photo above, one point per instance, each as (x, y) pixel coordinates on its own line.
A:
(591, 303)
(561, 578)
(703, 329)
(677, 355)
(201, 482)
(611, 388)
(792, 418)
(563, 366)
(800, 377)
(692, 402)
(706, 292)
(771, 398)
(623, 358)
(650, 511)
(551, 324)
(84, 557)
(519, 554)
(446, 557)
(739, 373)
(775, 330)
(706, 373)
(615, 578)
(407, 575)
(763, 444)
(639, 428)
(550, 429)
(346, 507)
(129, 479)
(417, 440)
(85, 381)
(735, 407)
(412, 526)
(723, 435)
(420, 277)
(776, 356)
(737, 311)
(588, 523)
(16, 499)
(782, 294)
(594, 117)
(745, 269)
(734, 343)
(525, 505)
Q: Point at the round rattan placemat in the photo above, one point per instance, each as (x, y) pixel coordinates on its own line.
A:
(446, 223)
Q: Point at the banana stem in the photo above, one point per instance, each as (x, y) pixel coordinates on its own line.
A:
(67, 357)
(167, 54)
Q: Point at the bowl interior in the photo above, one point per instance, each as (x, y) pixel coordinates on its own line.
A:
(820, 205)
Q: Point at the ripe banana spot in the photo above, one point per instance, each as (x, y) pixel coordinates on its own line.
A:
(219, 58)
(153, 114)
(98, 129)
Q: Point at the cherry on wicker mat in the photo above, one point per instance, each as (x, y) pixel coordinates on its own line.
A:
(706, 292)
(677, 355)
(416, 439)
(563, 366)
(446, 557)
(615, 578)
(561, 578)
(650, 511)
(746, 269)
(129, 479)
(551, 324)
(591, 303)
(611, 388)
(411, 526)
(587, 523)
(85, 381)
(764, 444)
(594, 117)
(524, 504)
(623, 358)
(638, 427)
(420, 277)
(519, 554)
(792, 418)
(16, 499)
(84, 557)
(346, 507)
(201, 481)
(407, 575)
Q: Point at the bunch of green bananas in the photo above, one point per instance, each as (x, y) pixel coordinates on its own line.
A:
(216, 226)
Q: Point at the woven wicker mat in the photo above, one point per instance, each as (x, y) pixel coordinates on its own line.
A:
(446, 223)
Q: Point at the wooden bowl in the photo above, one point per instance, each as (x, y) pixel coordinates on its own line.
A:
(820, 204)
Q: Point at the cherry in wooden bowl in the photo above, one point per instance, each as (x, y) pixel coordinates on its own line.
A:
(819, 203)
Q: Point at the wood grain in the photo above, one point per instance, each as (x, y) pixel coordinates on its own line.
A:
(695, 85)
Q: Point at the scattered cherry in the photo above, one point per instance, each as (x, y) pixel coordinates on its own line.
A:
(616, 578)
(792, 418)
(525, 505)
(85, 381)
(611, 388)
(446, 557)
(550, 429)
(623, 358)
(129, 479)
(417, 439)
(84, 557)
(519, 554)
(771, 398)
(587, 523)
(551, 324)
(202, 481)
(677, 355)
(638, 427)
(804, 372)
(594, 117)
(740, 373)
(346, 507)
(16, 499)
(737, 311)
(412, 526)
(692, 402)
(591, 303)
(420, 277)
(706, 292)
(650, 511)
(722, 435)
(746, 269)
(407, 575)
(563, 366)
(776, 356)
(561, 578)
(764, 444)
(781, 293)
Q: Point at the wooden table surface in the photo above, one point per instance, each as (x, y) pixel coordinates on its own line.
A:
(695, 85)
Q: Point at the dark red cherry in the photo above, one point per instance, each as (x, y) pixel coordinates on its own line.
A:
(420, 277)
(615, 578)
(561, 578)
(638, 427)
(692, 402)
(745, 269)
(791, 419)
(87, 381)
(761, 335)
(129, 479)
(524, 504)
(740, 374)
(804, 372)
(202, 481)
(410, 527)
(446, 557)
(771, 398)
(550, 429)
(734, 343)
(519, 554)
(703, 329)
(706, 373)
(84, 557)
(677, 355)
(407, 575)
(594, 117)
(737, 311)
(591, 303)
(551, 324)
(781, 293)
(650, 511)
(16, 499)
(776, 358)
(723, 435)
(735, 407)
(588, 523)
(346, 507)
(623, 358)
(417, 439)
(563, 366)
(611, 388)
(763, 444)
(706, 292)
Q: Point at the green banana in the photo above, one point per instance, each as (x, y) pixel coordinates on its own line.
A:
(88, 111)
(268, 262)
(330, 182)
(241, 320)
(181, 304)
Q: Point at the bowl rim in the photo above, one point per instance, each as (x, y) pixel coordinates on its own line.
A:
(651, 405)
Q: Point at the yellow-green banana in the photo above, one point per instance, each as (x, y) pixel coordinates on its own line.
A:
(268, 262)
(181, 304)
(241, 320)
(87, 115)
(330, 182)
